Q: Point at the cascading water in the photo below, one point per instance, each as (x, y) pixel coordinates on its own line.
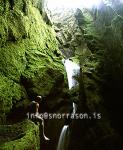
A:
(72, 69)
(62, 143)
(74, 108)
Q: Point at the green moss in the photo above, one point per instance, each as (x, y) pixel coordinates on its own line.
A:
(10, 93)
(13, 60)
(28, 50)
(26, 136)
(42, 80)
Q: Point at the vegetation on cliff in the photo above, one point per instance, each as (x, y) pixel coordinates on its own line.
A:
(28, 53)
(30, 65)
(20, 136)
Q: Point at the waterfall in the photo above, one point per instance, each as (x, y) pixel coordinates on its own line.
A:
(74, 108)
(64, 136)
(62, 143)
(72, 69)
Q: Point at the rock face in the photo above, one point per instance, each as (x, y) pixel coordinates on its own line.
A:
(20, 136)
(30, 62)
(100, 31)
(30, 65)
(68, 29)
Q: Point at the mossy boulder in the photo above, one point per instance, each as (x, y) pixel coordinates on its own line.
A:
(20, 136)
(43, 81)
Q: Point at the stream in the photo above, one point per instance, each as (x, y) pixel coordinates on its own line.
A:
(72, 69)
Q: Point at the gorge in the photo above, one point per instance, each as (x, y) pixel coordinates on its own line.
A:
(42, 42)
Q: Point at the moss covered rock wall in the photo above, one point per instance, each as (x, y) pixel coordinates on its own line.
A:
(20, 136)
(29, 58)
